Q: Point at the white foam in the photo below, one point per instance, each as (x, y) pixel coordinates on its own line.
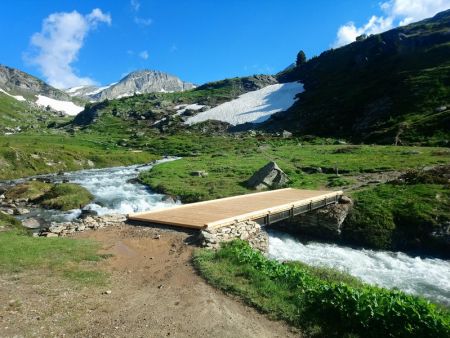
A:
(255, 107)
(17, 97)
(67, 107)
(429, 277)
(114, 193)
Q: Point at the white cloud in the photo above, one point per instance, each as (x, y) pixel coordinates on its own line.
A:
(143, 21)
(135, 5)
(397, 12)
(143, 55)
(58, 43)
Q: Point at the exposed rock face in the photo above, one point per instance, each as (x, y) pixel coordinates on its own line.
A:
(249, 231)
(324, 223)
(145, 81)
(269, 176)
(16, 81)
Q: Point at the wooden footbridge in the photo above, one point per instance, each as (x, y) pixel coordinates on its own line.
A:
(263, 207)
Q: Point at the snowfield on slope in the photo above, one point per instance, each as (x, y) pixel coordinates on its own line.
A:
(17, 97)
(254, 107)
(67, 107)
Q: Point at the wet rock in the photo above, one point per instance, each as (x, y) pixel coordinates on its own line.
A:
(31, 223)
(87, 213)
(21, 211)
(8, 211)
(268, 177)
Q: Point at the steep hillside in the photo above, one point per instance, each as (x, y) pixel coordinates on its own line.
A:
(389, 88)
(138, 82)
(25, 99)
(15, 81)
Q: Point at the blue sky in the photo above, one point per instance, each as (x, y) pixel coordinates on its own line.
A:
(198, 41)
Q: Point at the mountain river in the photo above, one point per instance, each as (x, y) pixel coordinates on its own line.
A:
(116, 191)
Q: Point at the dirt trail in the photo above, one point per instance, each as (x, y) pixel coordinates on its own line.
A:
(155, 292)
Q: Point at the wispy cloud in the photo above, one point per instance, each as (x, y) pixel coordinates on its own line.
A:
(139, 20)
(135, 5)
(143, 21)
(143, 55)
(58, 43)
(396, 12)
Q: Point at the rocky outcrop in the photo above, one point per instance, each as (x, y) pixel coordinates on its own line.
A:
(268, 177)
(140, 82)
(16, 81)
(249, 231)
(324, 223)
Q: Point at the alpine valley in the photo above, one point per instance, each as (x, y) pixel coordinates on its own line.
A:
(370, 118)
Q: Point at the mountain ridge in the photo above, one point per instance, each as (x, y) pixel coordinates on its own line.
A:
(141, 81)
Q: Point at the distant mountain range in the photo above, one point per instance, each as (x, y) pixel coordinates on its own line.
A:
(21, 92)
(391, 88)
(138, 82)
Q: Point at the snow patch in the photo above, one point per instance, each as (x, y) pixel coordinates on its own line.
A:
(67, 107)
(98, 90)
(255, 107)
(183, 107)
(74, 89)
(17, 97)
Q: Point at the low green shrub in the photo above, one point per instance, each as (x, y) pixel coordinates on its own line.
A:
(295, 293)
(66, 196)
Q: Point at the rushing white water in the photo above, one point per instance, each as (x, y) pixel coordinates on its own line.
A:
(429, 277)
(115, 193)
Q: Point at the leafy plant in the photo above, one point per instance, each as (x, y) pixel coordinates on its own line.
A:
(307, 299)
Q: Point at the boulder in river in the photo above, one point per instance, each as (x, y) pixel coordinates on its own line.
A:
(268, 177)
(31, 223)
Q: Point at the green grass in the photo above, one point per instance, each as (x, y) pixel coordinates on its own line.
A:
(378, 88)
(321, 303)
(398, 216)
(230, 162)
(62, 196)
(64, 257)
(53, 151)
(66, 196)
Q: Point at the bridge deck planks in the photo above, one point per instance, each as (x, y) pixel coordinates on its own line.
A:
(224, 211)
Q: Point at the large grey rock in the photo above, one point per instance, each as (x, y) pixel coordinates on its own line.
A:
(324, 223)
(269, 176)
(31, 223)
